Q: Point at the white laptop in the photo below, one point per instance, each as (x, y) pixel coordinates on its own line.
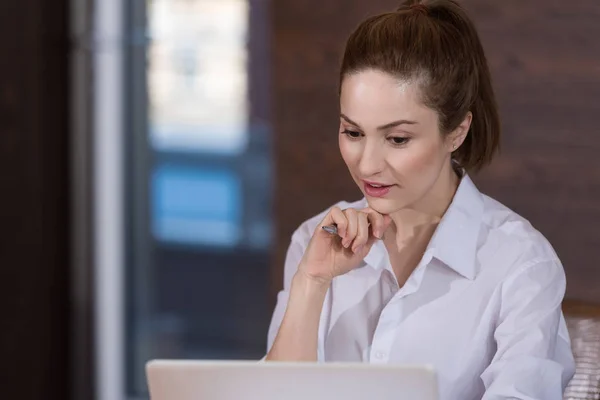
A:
(241, 380)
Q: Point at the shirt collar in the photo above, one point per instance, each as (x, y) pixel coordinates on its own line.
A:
(455, 240)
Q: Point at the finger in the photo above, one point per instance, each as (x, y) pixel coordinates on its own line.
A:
(364, 250)
(377, 221)
(337, 216)
(362, 234)
(352, 229)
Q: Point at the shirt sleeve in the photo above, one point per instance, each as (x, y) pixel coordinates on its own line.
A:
(292, 259)
(533, 358)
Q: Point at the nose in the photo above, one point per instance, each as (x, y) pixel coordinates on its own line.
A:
(372, 160)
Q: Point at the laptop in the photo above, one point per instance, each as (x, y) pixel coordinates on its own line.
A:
(249, 380)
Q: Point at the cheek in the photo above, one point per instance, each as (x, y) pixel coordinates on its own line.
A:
(417, 162)
(350, 151)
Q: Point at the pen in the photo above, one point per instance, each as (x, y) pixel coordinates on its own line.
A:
(332, 229)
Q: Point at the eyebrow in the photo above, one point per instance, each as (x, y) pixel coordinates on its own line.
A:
(382, 127)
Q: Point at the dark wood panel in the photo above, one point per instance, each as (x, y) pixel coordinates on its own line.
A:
(545, 59)
(34, 252)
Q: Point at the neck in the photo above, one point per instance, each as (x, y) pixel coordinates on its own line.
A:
(435, 202)
(413, 227)
(430, 209)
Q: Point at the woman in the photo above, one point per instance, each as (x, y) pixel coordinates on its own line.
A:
(425, 269)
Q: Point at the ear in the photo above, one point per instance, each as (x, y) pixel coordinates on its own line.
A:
(456, 138)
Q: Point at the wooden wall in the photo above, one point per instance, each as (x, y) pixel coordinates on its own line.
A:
(545, 58)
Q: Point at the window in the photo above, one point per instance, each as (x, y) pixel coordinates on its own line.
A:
(198, 184)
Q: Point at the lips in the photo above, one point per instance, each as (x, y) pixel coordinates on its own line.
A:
(376, 189)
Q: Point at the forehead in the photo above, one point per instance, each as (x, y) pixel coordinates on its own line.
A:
(372, 96)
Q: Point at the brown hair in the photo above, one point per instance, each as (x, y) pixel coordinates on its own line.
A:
(436, 44)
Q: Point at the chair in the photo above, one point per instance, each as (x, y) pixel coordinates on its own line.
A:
(583, 322)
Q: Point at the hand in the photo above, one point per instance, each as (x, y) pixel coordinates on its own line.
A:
(328, 256)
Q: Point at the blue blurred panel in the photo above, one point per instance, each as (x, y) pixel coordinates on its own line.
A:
(193, 205)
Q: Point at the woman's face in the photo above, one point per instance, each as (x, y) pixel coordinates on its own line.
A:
(391, 143)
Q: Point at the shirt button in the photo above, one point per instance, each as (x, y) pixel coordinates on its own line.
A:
(379, 355)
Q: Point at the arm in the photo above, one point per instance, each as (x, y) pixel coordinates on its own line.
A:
(533, 358)
(294, 327)
(297, 339)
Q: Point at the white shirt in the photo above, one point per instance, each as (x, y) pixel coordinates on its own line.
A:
(483, 306)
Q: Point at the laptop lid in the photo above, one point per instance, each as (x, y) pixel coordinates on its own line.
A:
(238, 380)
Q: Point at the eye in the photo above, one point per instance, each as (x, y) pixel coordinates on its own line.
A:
(398, 141)
(351, 134)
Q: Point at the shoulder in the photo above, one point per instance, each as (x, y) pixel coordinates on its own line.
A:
(306, 229)
(510, 238)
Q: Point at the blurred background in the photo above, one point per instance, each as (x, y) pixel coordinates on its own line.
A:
(158, 154)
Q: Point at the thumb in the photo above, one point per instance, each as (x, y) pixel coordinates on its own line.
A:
(387, 221)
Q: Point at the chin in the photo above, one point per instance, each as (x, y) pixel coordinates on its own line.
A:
(385, 206)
